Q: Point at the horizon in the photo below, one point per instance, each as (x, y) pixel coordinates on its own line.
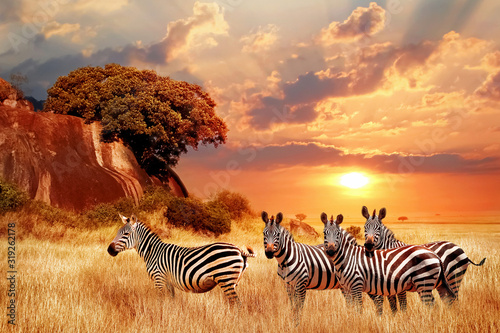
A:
(406, 94)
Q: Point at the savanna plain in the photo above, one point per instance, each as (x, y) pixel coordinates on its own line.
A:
(67, 282)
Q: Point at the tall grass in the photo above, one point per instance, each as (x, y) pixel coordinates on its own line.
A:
(70, 284)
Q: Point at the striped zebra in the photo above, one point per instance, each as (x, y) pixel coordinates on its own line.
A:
(383, 272)
(300, 266)
(454, 259)
(190, 269)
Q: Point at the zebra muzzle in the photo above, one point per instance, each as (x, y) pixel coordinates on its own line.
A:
(269, 251)
(111, 250)
(370, 243)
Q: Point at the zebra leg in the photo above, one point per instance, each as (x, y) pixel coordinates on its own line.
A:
(393, 302)
(426, 296)
(358, 300)
(379, 303)
(402, 301)
(300, 297)
(290, 290)
(229, 290)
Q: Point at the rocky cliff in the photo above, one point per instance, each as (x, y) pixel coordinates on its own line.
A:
(60, 160)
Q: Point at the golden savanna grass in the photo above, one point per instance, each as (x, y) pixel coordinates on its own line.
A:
(69, 283)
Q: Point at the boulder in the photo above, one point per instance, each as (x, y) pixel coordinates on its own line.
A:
(60, 160)
(302, 229)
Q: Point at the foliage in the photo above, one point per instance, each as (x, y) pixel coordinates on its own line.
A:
(355, 231)
(157, 117)
(402, 218)
(155, 198)
(17, 80)
(11, 197)
(235, 203)
(108, 212)
(193, 213)
(301, 217)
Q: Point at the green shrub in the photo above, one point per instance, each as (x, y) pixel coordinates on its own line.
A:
(11, 197)
(155, 198)
(191, 212)
(53, 215)
(108, 212)
(235, 203)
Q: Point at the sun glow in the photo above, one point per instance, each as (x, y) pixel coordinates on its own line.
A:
(354, 180)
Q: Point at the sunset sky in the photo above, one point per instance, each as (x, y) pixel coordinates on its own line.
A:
(405, 92)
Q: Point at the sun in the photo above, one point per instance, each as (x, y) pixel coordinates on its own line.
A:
(354, 180)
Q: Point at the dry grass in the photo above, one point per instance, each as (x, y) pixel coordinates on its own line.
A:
(71, 284)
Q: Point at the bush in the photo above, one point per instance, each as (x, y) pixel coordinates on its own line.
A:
(108, 212)
(191, 212)
(155, 198)
(11, 197)
(355, 231)
(235, 203)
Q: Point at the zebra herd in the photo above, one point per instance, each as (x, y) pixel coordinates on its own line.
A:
(382, 267)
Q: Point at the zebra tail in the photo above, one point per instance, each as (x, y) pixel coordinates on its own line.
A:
(480, 264)
(250, 253)
(450, 292)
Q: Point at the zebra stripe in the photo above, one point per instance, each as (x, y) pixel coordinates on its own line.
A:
(454, 259)
(384, 272)
(301, 266)
(190, 269)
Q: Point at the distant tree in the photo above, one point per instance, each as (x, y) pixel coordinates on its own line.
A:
(157, 117)
(402, 218)
(17, 80)
(235, 203)
(301, 217)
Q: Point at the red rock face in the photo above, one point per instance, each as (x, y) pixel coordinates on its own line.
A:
(60, 160)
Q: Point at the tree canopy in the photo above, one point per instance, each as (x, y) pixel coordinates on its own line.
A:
(157, 117)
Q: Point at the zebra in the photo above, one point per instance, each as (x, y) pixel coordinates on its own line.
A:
(454, 259)
(383, 272)
(301, 266)
(190, 269)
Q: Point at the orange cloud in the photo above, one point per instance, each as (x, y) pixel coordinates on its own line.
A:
(260, 41)
(362, 22)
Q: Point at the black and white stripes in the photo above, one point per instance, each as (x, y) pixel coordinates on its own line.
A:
(301, 266)
(454, 259)
(384, 272)
(196, 269)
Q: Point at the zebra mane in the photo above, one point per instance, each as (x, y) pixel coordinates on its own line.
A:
(389, 235)
(285, 232)
(350, 238)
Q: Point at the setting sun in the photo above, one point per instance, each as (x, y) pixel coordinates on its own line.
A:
(353, 180)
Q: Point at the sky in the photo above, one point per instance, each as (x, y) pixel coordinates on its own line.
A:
(405, 92)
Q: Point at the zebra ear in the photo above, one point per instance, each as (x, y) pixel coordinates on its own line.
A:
(279, 218)
(265, 218)
(324, 218)
(340, 218)
(381, 214)
(365, 213)
(123, 218)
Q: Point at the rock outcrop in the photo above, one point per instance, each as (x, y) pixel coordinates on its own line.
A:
(302, 229)
(60, 160)
(10, 97)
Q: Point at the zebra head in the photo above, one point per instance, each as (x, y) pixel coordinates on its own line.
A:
(373, 227)
(272, 233)
(126, 238)
(332, 233)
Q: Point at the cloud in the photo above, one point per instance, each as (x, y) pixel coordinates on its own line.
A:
(57, 29)
(195, 32)
(295, 154)
(362, 22)
(260, 41)
(490, 89)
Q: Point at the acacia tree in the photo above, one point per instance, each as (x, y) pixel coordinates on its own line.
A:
(157, 117)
